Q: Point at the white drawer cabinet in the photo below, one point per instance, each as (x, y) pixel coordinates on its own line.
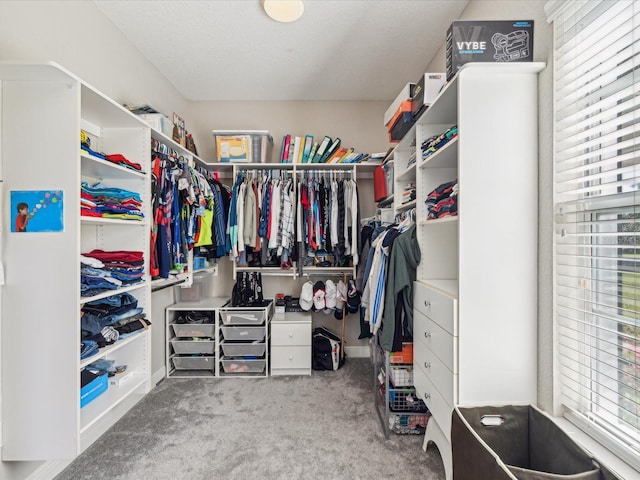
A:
(291, 332)
(475, 295)
(434, 338)
(438, 307)
(289, 358)
(440, 409)
(291, 344)
(428, 364)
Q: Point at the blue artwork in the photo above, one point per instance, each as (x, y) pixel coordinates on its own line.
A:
(37, 211)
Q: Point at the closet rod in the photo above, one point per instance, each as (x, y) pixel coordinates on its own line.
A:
(326, 274)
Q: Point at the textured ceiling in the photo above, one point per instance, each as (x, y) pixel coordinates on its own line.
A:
(338, 50)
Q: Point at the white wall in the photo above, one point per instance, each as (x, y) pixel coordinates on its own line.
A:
(543, 52)
(78, 36)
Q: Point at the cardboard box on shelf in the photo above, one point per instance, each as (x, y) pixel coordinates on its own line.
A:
(488, 41)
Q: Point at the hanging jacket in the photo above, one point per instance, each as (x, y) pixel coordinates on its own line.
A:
(403, 262)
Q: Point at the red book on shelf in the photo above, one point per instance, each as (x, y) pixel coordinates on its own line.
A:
(285, 149)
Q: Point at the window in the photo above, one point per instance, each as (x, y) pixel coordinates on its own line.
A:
(597, 217)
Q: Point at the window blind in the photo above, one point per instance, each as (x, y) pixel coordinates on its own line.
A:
(597, 216)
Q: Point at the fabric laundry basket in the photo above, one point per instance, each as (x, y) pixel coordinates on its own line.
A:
(517, 443)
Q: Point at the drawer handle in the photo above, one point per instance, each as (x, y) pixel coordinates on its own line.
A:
(427, 304)
(290, 357)
(427, 364)
(291, 335)
(427, 396)
(427, 334)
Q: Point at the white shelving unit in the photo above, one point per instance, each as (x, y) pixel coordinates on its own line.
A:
(475, 298)
(44, 107)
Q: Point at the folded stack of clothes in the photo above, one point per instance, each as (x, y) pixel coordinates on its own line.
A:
(443, 201)
(100, 201)
(117, 158)
(433, 144)
(409, 192)
(102, 271)
(106, 320)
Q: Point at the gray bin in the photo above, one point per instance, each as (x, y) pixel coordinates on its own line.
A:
(517, 443)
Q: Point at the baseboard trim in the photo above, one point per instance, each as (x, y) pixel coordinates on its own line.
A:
(359, 351)
(158, 376)
(49, 470)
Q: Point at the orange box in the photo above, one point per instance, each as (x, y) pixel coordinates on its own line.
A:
(405, 356)
(405, 106)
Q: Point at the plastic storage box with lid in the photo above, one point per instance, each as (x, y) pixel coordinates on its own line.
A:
(199, 289)
(158, 122)
(229, 145)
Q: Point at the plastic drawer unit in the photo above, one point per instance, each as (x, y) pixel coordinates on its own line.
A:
(244, 340)
(192, 338)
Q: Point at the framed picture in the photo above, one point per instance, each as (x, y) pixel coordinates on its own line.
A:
(37, 211)
(179, 130)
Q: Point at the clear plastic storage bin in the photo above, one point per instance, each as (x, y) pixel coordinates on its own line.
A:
(260, 145)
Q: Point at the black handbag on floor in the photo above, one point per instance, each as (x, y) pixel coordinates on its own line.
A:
(325, 350)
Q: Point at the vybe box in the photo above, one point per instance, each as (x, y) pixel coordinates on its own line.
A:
(488, 41)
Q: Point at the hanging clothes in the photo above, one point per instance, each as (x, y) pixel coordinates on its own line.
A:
(388, 282)
(188, 211)
(328, 221)
(262, 220)
(398, 302)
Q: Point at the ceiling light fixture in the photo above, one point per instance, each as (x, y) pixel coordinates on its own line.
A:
(284, 10)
